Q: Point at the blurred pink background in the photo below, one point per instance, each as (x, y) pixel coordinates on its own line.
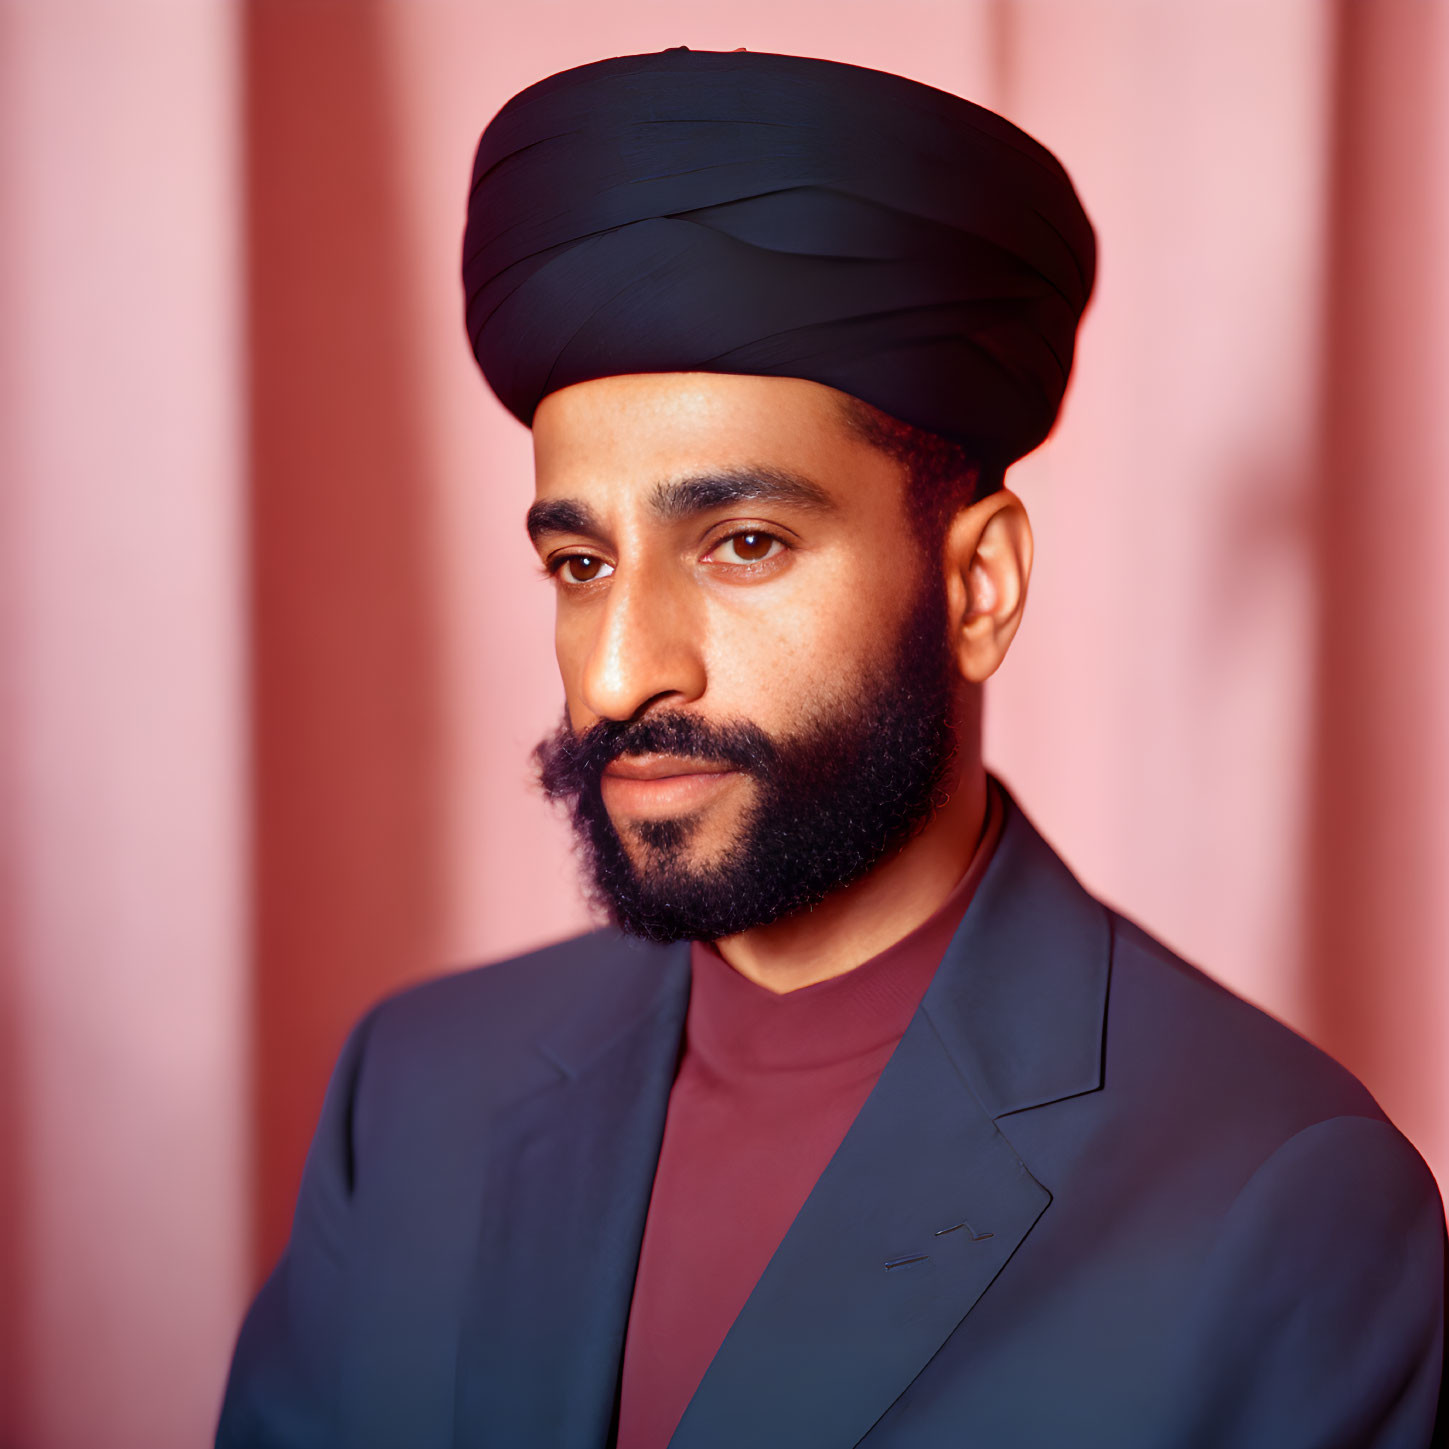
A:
(274, 648)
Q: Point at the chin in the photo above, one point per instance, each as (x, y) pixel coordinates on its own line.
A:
(682, 840)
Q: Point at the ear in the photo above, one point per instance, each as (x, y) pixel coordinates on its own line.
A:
(988, 565)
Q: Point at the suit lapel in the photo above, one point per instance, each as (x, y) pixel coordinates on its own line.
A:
(912, 1219)
(925, 1201)
(563, 1216)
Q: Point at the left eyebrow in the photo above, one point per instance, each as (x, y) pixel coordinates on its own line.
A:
(561, 515)
(677, 499)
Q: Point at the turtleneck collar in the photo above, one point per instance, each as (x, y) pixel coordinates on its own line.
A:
(737, 1028)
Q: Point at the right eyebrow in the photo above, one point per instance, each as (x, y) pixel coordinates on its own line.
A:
(681, 498)
(561, 515)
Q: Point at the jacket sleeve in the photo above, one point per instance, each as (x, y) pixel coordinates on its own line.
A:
(1320, 1320)
(282, 1389)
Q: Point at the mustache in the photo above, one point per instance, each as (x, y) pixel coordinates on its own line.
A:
(572, 761)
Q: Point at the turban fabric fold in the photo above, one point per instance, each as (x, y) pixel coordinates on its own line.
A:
(745, 212)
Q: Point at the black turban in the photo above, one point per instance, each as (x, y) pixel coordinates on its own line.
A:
(740, 212)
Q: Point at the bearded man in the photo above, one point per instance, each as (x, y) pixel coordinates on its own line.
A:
(863, 1122)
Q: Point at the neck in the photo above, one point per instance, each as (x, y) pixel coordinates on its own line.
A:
(860, 921)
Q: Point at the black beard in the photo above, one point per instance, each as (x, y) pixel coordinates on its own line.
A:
(832, 801)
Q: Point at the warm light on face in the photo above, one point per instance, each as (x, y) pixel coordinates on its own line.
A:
(721, 546)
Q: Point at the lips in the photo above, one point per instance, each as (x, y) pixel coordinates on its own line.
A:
(662, 767)
(657, 787)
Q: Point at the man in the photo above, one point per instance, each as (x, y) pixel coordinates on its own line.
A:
(864, 1123)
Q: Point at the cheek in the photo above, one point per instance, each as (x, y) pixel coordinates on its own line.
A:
(569, 649)
(770, 658)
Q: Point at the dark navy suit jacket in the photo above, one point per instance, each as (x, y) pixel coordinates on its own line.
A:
(1095, 1199)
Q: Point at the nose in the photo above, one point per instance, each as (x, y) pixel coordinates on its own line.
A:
(645, 647)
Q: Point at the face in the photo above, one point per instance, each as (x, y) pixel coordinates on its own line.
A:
(753, 651)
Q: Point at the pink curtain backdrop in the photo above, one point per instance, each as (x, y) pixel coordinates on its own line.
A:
(274, 648)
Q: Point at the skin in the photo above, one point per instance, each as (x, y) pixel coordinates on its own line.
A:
(736, 601)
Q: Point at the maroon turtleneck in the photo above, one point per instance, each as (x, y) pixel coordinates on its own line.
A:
(767, 1087)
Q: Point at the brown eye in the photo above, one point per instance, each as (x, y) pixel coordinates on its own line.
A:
(583, 568)
(751, 547)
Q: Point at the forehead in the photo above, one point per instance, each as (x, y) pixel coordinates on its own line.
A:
(613, 440)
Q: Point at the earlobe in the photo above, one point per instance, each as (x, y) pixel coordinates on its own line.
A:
(988, 563)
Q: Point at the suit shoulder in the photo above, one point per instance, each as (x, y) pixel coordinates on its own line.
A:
(490, 1034)
(1169, 1017)
(519, 996)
